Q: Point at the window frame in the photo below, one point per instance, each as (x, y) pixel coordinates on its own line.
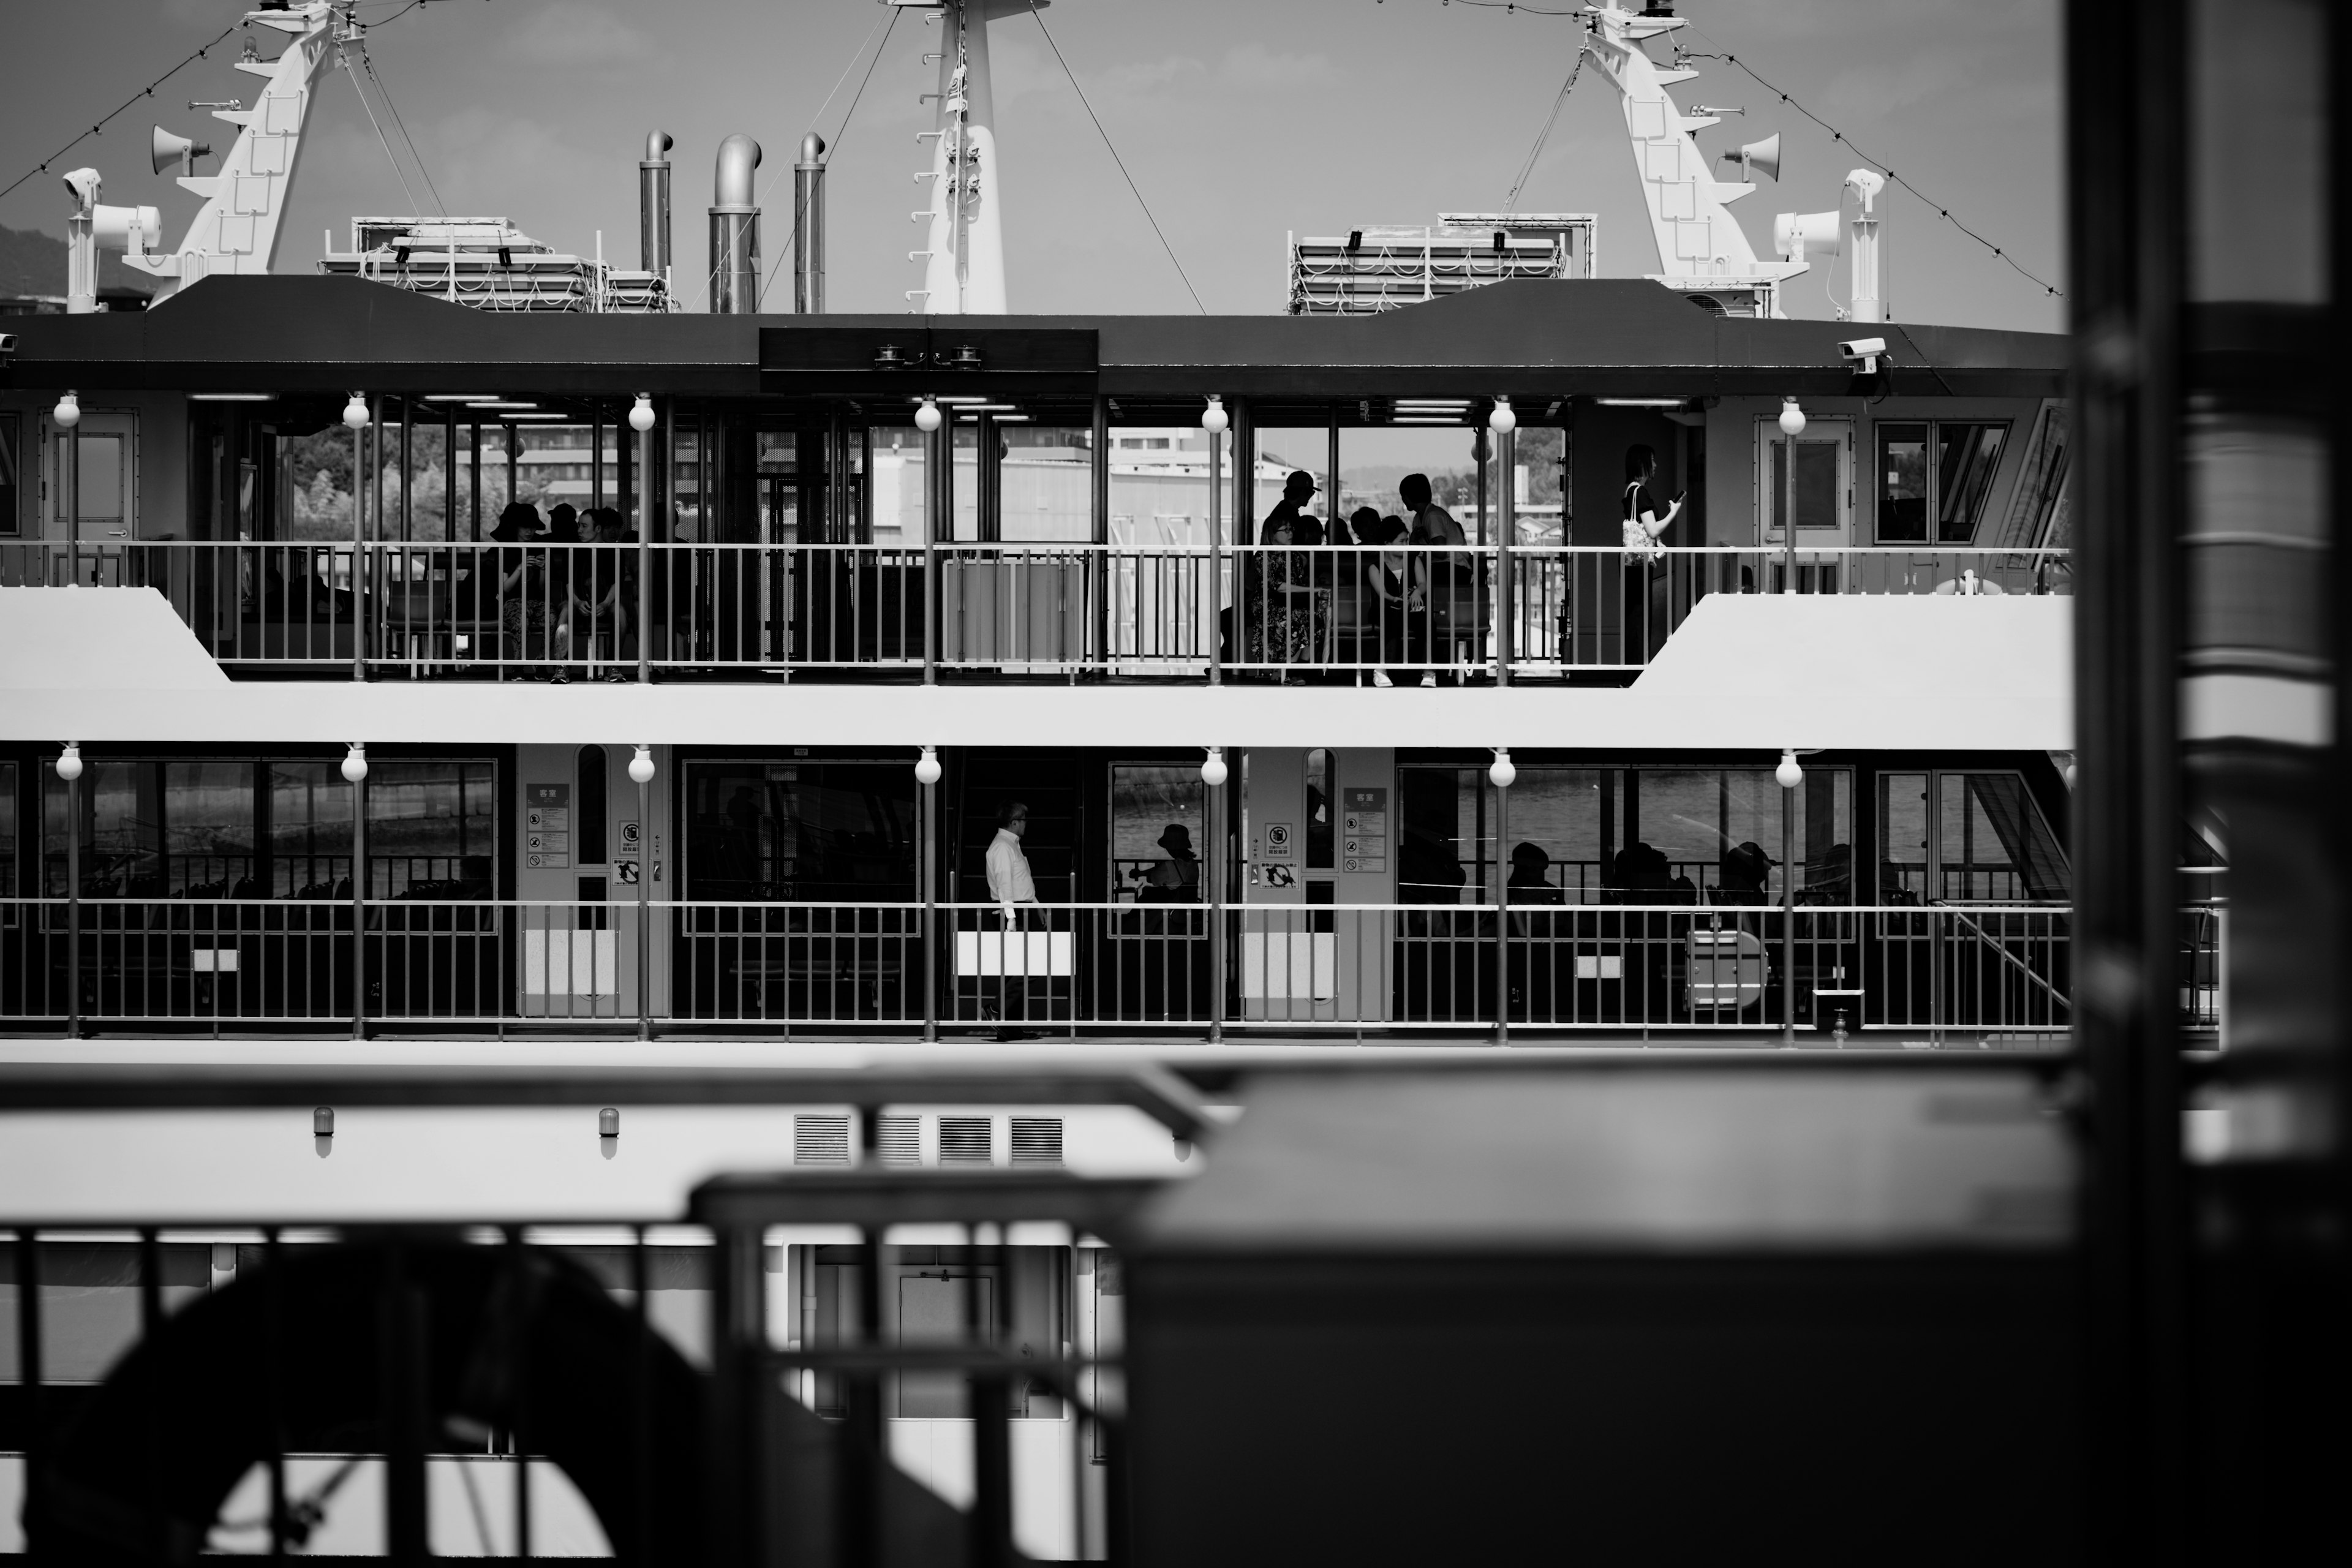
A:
(1931, 537)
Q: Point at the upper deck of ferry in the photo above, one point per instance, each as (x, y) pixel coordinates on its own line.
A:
(785, 517)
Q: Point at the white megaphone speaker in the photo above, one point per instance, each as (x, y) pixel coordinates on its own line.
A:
(182, 150)
(1796, 234)
(1763, 157)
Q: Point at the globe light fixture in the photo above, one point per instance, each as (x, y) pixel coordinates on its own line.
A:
(641, 766)
(641, 416)
(1502, 421)
(1212, 770)
(927, 415)
(1502, 774)
(67, 413)
(1789, 774)
(1213, 418)
(69, 761)
(1793, 418)
(927, 766)
(355, 763)
(356, 413)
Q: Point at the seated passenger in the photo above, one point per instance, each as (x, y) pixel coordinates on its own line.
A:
(1177, 880)
(1745, 875)
(1530, 881)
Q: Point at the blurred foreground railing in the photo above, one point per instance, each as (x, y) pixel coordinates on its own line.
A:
(621, 611)
(1412, 969)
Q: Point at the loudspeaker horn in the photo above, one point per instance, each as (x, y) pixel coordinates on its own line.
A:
(1764, 156)
(182, 150)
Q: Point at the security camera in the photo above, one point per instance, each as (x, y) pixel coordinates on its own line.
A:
(1862, 347)
(7, 347)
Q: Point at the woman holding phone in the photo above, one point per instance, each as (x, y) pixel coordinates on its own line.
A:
(1643, 526)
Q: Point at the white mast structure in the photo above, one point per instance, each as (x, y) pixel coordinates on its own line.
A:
(963, 273)
(236, 229)
(1701, 246)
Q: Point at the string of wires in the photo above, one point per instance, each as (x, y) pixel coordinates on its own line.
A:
(1536, 152)
(1836, 135)
(145, 92)
(149, 91)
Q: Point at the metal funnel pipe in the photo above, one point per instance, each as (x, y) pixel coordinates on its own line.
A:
(808, 228)
(735, 230)
(653, 204)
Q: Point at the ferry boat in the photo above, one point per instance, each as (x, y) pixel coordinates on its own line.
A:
(284, 764)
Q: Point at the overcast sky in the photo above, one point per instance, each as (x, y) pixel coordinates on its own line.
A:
(1240, 120)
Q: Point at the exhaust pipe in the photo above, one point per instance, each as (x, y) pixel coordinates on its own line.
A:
(653, 205)
(735, 230)
(808, 228)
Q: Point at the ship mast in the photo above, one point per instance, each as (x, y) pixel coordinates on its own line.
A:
(964, 256)
(1701, 246)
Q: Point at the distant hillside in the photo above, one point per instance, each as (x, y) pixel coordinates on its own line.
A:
(32, 262)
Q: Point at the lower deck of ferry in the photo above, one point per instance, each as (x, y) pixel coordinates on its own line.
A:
(829, 893)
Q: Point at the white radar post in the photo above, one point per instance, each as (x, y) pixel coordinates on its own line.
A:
(1701, 246)
(236, 229)
(963, 273)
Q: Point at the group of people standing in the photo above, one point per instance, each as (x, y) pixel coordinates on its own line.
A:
(566, 605)
(1419, 601)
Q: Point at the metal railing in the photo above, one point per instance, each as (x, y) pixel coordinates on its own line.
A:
(558, 1403)
(1388, 969)
(621, 611)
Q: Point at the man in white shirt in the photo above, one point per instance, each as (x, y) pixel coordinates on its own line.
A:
(1012, 886)
(1009, 882)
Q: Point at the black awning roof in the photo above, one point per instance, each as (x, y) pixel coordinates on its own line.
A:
(1571, 338)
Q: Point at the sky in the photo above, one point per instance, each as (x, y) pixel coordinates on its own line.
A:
(1240, 121)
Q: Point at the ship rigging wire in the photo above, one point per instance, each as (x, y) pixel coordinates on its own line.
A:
(399, 125)
(800, 209)
(344, 60)
(1511, 201)
(1117, 159)
(1836, 135)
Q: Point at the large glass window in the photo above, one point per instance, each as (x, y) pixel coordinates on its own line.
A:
(155, 830)
(1590, 836)
(8, 833)
(803, 832)
(1991, 842)
(206, 829)
(1933, 480)
(1156, 810)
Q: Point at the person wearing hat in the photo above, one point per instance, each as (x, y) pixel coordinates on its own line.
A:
(1297, 491)
(1177, 880)
(1745, 876)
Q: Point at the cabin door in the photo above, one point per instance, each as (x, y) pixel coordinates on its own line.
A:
(1810, 477)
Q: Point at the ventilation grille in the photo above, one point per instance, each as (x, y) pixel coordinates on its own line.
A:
(900, 1140)
(966, 1140)
(820, 1140)
(1036, 1139)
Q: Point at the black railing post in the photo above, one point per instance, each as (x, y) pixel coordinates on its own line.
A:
(30, 1375)
(355, 770)
(153, 1525)
(273, 1383)
(73, 908)
(991, 1394)
(641, 1406)
(401, 1397)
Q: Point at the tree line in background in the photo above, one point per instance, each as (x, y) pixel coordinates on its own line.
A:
(321, 473)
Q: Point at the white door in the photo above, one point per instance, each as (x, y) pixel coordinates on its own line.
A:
(1820, 490)
(110, 478)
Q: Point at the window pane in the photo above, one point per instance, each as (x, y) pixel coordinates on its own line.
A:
(1440, 858)
(1902, 484)
(806, 831)
(208, 830)
(101, 476)
(1319, 844)
(120, 830)
(1966, 458)
(1817, 484)
(1902, 839)
(432, 830)
(1996, 846)
(1148, 800)
(10, 493)
(8, 832)
(310, 831)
